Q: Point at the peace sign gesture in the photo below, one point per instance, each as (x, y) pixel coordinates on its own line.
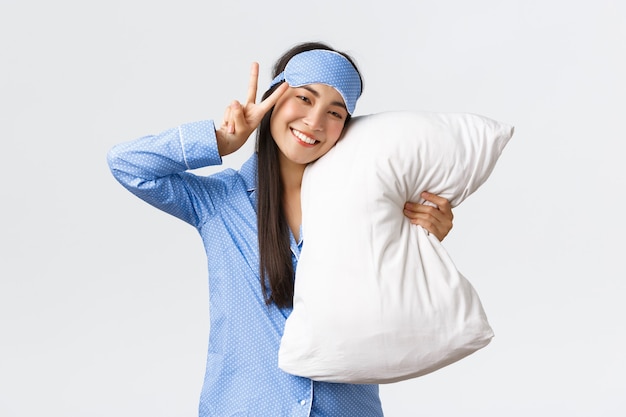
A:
(241, 120)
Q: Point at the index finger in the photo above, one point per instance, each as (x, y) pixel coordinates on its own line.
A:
(253, 83)
(441, 202)
(269, 102)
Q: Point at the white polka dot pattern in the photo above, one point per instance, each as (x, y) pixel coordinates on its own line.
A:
(323, 67)
(242, 376)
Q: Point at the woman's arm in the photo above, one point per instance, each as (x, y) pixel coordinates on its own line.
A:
(153, 167)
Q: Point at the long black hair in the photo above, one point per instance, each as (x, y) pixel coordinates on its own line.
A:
(276, 267)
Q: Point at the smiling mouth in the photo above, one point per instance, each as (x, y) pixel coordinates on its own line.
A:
(304, 138)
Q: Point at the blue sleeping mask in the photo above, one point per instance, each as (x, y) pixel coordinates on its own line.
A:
(323, 67)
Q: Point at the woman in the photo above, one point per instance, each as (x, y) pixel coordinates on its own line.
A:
(249, 221)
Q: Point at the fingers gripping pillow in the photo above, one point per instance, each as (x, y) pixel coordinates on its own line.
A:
(379, 300)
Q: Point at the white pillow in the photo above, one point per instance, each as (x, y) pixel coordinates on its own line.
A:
(377, 299)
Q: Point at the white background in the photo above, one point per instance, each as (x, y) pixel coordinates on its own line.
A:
(103, 300)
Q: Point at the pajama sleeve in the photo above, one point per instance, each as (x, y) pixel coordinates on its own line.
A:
(155, 169)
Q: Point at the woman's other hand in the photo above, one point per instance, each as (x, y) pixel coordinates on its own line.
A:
(437, 220)
(240, 120)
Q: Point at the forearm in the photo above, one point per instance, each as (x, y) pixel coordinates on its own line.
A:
(153, 168)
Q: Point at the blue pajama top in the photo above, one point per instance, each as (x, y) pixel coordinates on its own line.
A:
(242, 375)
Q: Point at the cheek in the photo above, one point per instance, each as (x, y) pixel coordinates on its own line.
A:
(285, 110)
(334, 131)
(280, 116)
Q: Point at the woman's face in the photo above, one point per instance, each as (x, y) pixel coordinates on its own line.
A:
(307, 122)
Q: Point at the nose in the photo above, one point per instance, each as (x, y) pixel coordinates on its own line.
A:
(314, 119)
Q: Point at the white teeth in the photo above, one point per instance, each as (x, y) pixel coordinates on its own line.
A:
(304, 138)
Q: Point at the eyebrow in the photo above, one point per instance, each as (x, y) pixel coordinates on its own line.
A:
(317, 95)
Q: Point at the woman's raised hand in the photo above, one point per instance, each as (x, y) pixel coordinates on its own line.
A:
(240, 120)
